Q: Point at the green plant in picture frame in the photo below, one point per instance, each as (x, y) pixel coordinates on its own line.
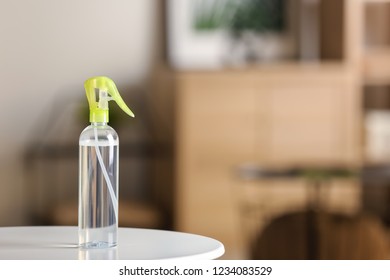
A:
(256, 28)
(259, 16)
(259, 31)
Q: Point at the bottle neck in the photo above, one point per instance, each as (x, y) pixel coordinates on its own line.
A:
(98, 123)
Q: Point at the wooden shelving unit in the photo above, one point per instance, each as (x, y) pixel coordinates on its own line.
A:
(278, 116)
(376, 66)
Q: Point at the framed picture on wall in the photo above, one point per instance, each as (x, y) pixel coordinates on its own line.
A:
(211, 34)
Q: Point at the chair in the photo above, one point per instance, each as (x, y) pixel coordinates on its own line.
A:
(322, 235)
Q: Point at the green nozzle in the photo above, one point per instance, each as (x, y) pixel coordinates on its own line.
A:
(98, 109)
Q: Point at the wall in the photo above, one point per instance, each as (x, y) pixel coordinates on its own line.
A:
(47, 49)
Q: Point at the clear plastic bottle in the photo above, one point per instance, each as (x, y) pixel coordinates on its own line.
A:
(99, 168)
(98, 223)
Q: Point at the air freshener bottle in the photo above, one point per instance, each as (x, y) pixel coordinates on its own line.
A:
(99, 168)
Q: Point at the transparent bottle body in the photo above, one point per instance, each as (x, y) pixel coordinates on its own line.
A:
(98, 223)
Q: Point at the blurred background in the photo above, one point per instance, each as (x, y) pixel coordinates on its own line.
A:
(262, 123)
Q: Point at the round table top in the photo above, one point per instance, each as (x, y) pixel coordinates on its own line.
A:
(60, 243)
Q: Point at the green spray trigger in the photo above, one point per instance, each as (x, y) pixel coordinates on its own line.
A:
(98, 109)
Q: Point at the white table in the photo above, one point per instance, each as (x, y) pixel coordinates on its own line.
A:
(60, 242)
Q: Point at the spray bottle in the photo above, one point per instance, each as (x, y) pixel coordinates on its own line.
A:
(99, 168)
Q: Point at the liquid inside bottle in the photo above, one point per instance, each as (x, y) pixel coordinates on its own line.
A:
(98, 223)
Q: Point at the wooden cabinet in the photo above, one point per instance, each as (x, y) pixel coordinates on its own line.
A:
(308, 116)
(273, 115)
(276, 116)
(215, 131)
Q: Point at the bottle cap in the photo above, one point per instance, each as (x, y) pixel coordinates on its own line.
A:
(105, 89)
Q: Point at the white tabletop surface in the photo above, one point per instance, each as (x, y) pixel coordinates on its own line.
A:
(60, 242)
